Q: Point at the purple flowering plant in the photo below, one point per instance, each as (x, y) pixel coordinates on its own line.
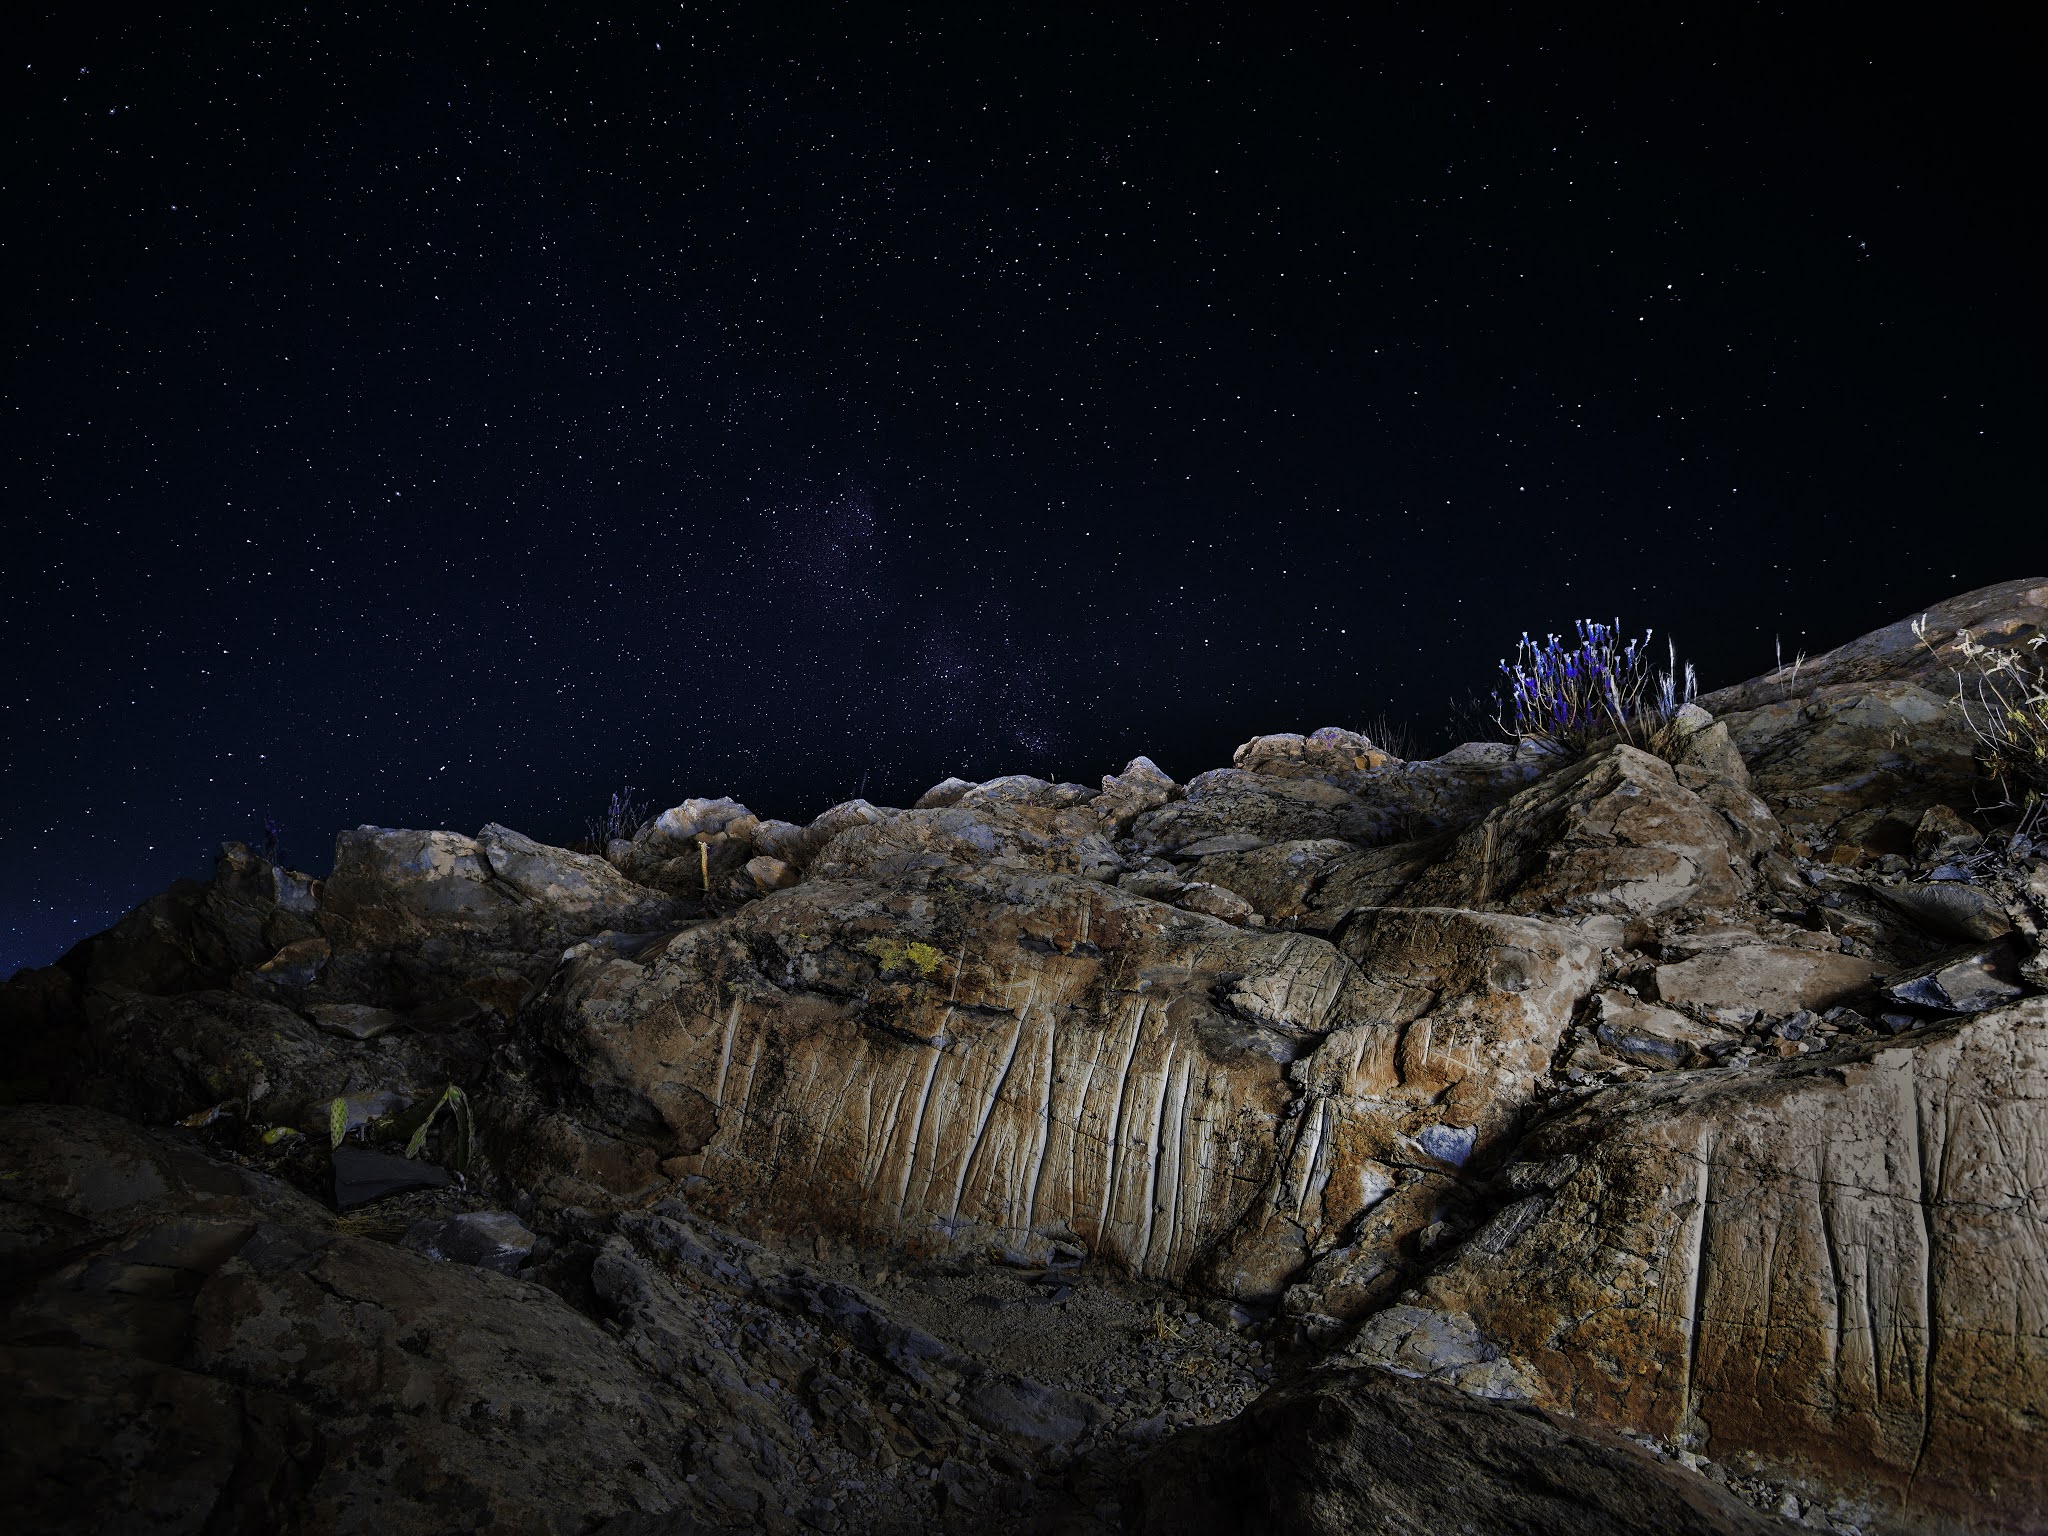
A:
(1565, 697)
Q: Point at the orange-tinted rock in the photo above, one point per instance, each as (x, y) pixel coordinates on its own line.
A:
(1836, 1273)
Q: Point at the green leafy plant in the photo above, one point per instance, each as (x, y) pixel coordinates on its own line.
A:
(337, 1120)
(456, 1102)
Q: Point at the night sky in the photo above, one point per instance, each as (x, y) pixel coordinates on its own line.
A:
(428, 415)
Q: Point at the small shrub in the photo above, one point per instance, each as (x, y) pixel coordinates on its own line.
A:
(1568, 698)
(621, 818)
(1389, 735)
(2002, 692)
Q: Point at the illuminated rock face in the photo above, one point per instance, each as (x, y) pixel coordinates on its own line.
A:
(1838, 1271)
(1006, 1057)
(1034, 1060)
(1645, 1089)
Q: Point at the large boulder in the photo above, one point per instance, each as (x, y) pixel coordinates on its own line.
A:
(1292, 788)
(1016, 823)
(1854, 745)
(958, 1058)
(1620, 834)
(1835, 1273)
(1455, 1019)
(420, 917)
(190, 1347)
(2007, 614)
(1347, 1451)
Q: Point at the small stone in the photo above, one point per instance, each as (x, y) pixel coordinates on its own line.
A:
(1796, 1026)
(1966, 982)
(1941, 834)
(494, 1240)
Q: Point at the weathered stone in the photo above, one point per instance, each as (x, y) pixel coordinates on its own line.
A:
(1329, 750)
(1968, 981)
(418, 917)
(1392, 802)
(1839, 760)
(942, 794)
(1007, 824)
(1455, 1017)
(354, 1021)
(1215, 901)
(1618, 833)
(1950, 909)
(1942, 833)
(163, 1059)
(770, 874)
(1278, 879)
(191, 1347)
(1126, 796)
(495, 1240)
(993, 1057)
(1349, 1451)
(1830, 1272)
(1649, 1036)
(1766, 978)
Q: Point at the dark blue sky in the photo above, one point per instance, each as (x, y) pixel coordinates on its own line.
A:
(428, 418)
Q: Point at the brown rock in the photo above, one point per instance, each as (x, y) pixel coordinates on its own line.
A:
(966, 1057)
(1743, 977)
(191, 1346)
(1457, 1016)
(1831, 1272)
(2006, 614)
(1617, 833)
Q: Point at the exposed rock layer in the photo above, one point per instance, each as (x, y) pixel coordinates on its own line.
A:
(1701, 1097)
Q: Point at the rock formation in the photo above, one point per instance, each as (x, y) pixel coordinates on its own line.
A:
(1641, 1138)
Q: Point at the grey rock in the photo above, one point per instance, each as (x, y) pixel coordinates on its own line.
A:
(1967, 981)
(354, 1021)
(942, 794)
(1950, 909)
(495, 1240)
(1349, 1451)
(1023, 1410)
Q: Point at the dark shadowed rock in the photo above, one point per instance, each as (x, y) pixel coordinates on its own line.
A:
(1965, 981)
(1345, 1452)
(361, 1176)
(488, 1239)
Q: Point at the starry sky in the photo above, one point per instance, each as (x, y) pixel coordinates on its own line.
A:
(429, 415)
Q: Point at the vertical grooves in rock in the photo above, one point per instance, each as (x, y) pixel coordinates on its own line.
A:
(1307, 1161)
(924, 1100)
(1700, 1252)
(1158, 1133)
(732, 1024)
(1824, 1194)
(1925, 1195)
(975, 1146)
(1112, 1174)
(1052, 1048)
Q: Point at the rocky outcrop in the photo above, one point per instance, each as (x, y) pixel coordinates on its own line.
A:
(1359, 1450)
(964, 1057)
(1697, 1097)
(1831, 1271)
